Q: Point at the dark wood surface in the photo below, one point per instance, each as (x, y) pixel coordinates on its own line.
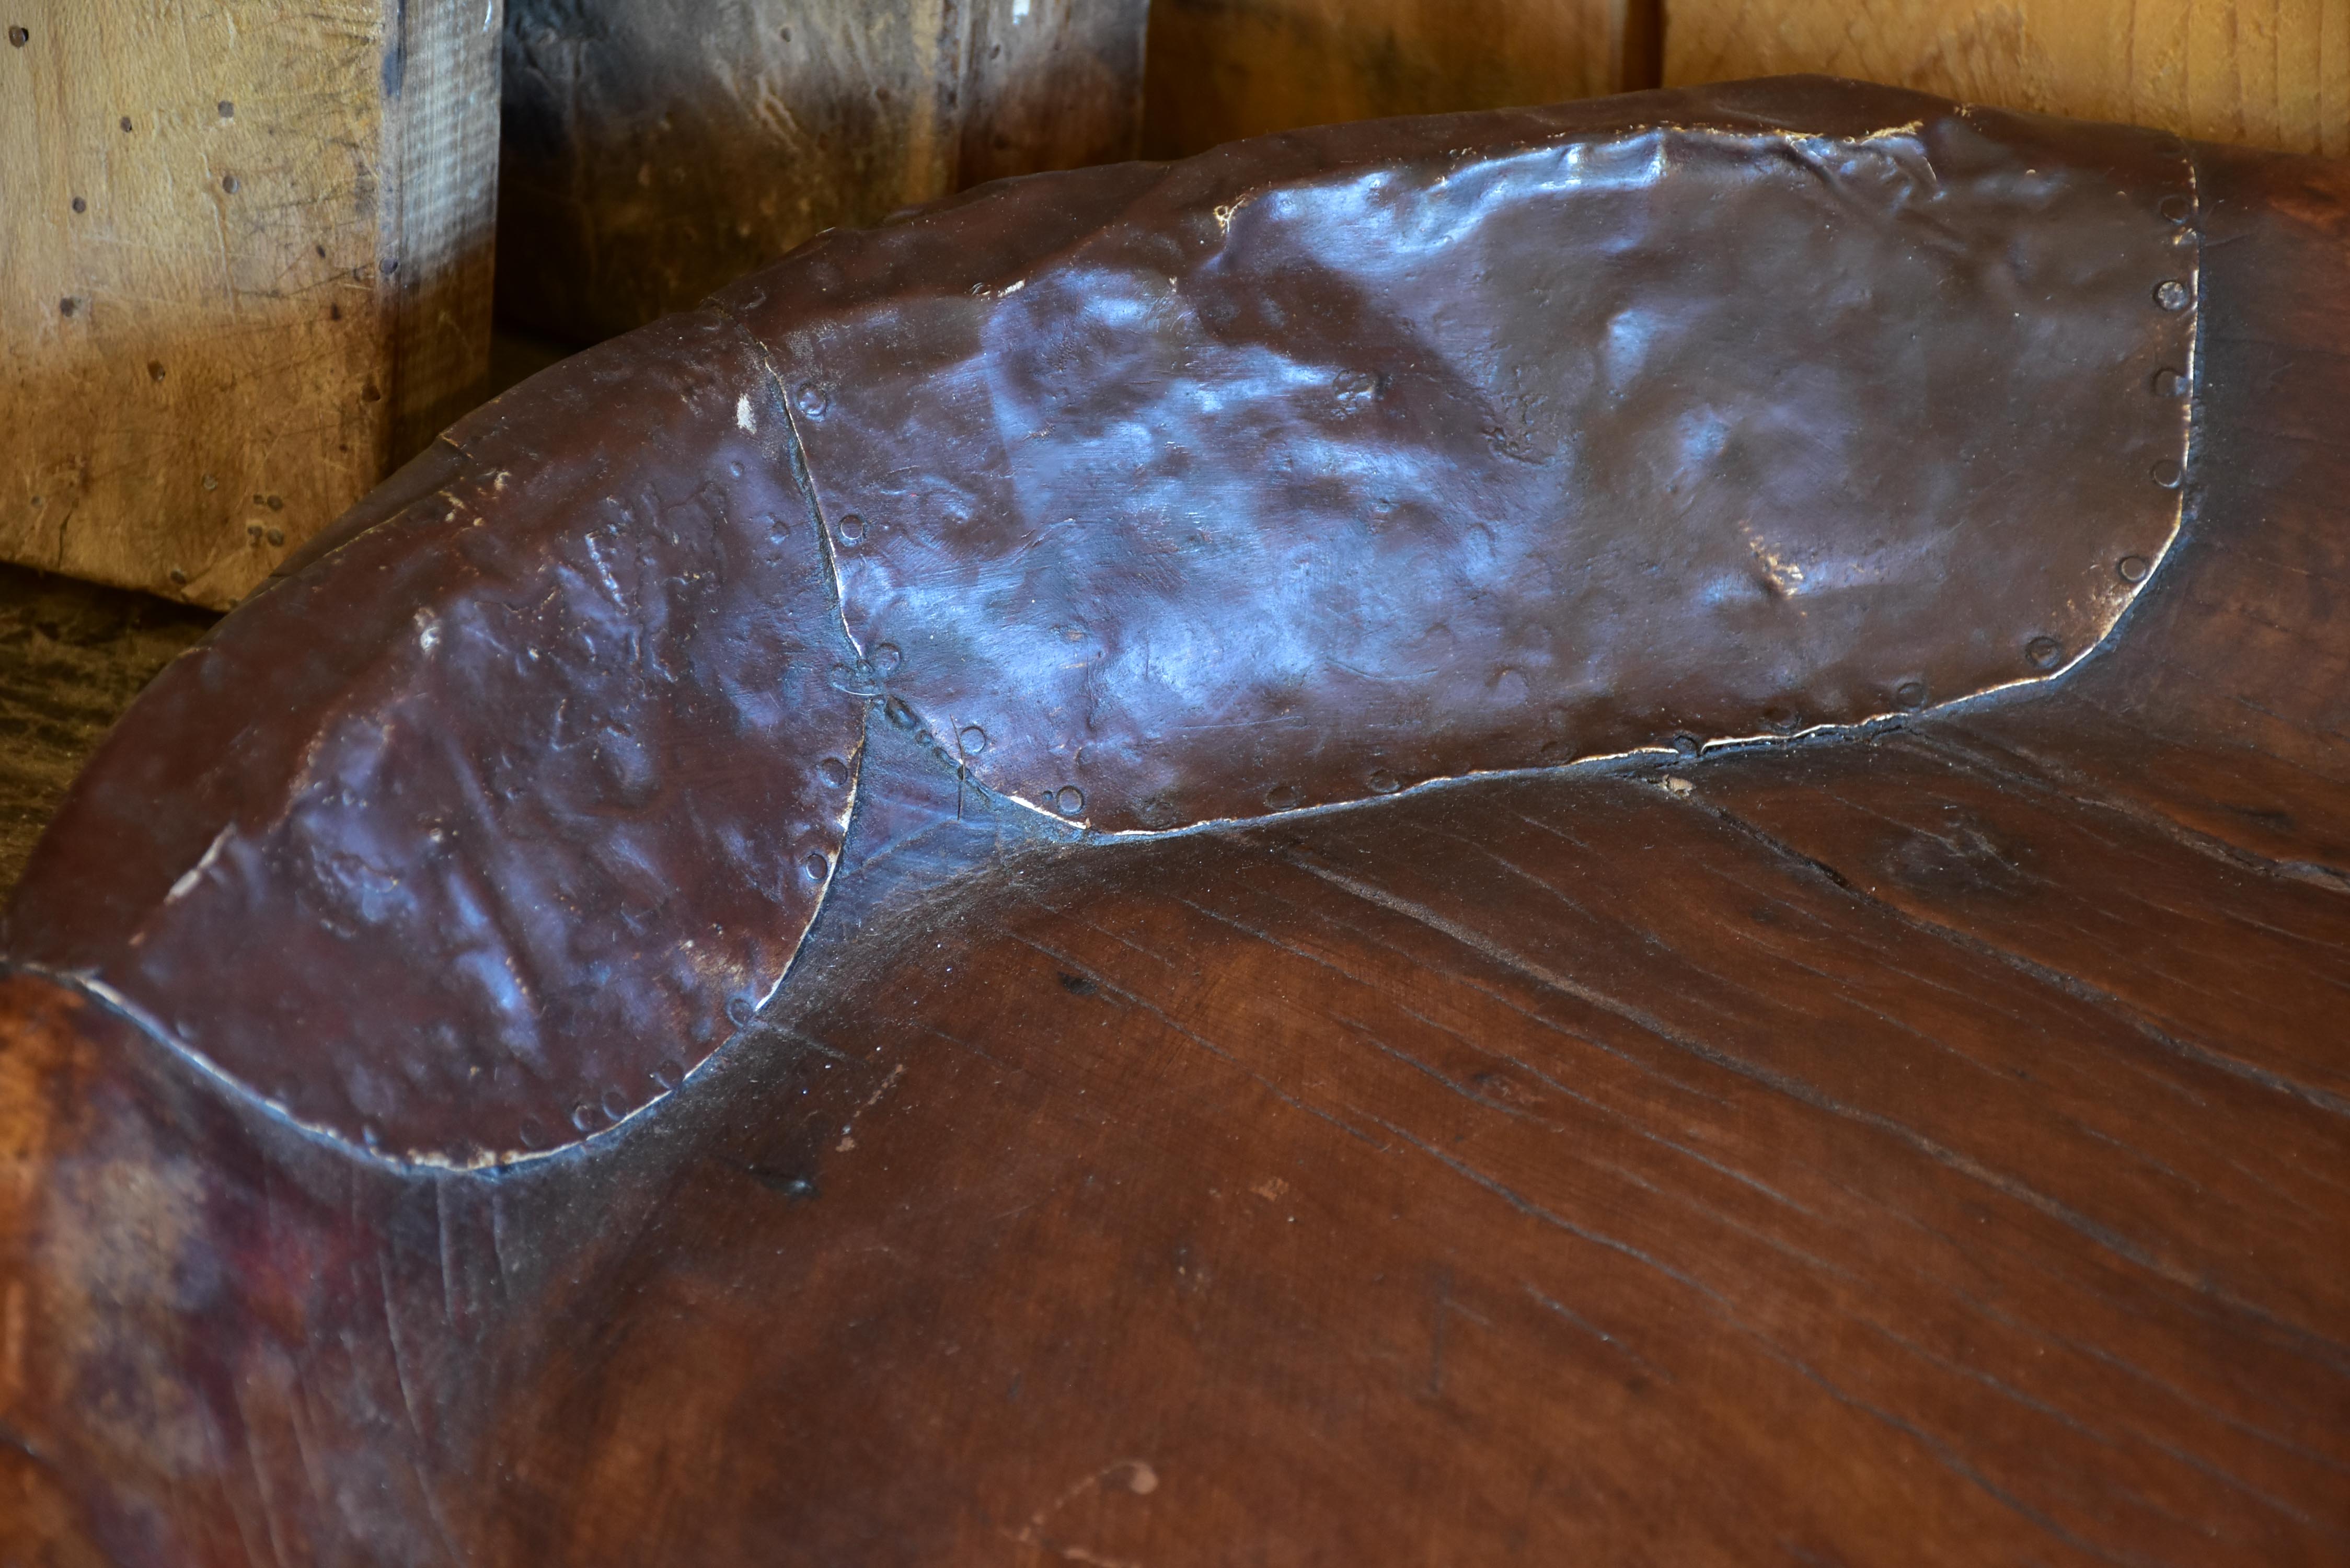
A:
(72, 655)
(652, 153)
(1928, 1148)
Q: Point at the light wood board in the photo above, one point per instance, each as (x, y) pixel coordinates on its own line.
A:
(2266, 73)
(245, 270)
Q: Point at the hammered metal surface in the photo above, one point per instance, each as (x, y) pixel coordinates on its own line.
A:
(471, 836)
(1304, 470)
(1327, 464)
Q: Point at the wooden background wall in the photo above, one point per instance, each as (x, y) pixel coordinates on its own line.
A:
(654, 152)
(1225, 68)
(2269, 73)
(244, 268)
(246, 248)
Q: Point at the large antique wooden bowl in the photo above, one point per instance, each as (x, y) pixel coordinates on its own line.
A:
(1607, 834)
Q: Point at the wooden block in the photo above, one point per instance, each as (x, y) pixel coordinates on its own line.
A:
(1226, 68)
(654, 152)
(244, 271)
(2268, 73)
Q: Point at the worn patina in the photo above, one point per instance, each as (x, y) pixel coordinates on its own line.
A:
(1311, 470)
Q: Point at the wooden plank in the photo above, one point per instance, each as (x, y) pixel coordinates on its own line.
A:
(654, 152)
(2269, 73)
(2047, 876)
(72, 655)
(244, 271)
(1226, 68)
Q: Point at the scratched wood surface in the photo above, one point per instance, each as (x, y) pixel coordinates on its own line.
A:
(2266, 73)
(654, 152)
(1926, 1149)
(1220, 70)
(245, 270)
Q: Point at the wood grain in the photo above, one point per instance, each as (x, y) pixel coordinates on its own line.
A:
(654, 152)
(1923, 1146)
(245, 256)
(1220, 70)
(2266, 73)
(72, 655)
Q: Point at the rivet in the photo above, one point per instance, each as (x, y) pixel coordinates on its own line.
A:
(670, 1073)
(532, 1134)
(1382, 781)
(277, 504)
(1283, 796)
(833, 772)
(1687, 746)
(816, 865)
(850, 529)
(973, 739)
(228, 183)
(1070, 801)
(79, 206)
(65, 306)
(2169, 383)
(812, 401)
(1909, 696)
(227, 109)
(178, 575)
(2167, 473)
(886, 657)
(126, 124)
(2171, 294)
(155, 369)
(2177, 209)
(2043, 652)
(615, 1105)
(2133, 568)
(583, 1116)
(252, 532)
(18, 36)
(278, 536)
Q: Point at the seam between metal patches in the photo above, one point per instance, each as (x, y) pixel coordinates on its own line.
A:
(245, 1095)
(2190, 456)
(237, 1090)
(795, 454)
(881, 700)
